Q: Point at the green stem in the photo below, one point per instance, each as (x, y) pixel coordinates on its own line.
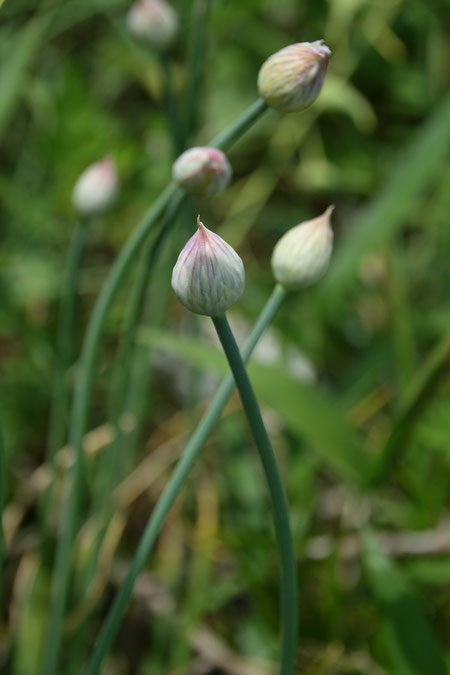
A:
(84, 388)
(174, 487)
(196, 61)
(285, 543)
(170, 105)
(64, 351)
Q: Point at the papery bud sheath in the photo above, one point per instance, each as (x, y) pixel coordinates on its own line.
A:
(301, 256)
(291, 79)
(202, 170)
(209, 276)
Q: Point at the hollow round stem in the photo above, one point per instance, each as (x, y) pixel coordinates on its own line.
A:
(285, 544)
(83, 389)
(174, 487)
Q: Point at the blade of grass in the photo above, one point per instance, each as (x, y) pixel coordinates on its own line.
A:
(412, 643)
(413, 399)
(64, 353)
(13, 73)
(378, 222)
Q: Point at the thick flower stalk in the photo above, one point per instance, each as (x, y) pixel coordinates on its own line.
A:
(96, 189)
(155, 22)
(209, 276)
(301, 256)
(202, 171)
(291, 79)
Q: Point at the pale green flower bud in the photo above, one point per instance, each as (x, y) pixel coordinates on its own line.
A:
(209, 275)
(202, 171)
(301, 256)
(291, 79)
(97, 187)
(154, 22)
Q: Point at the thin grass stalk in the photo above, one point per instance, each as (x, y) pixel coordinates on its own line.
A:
(64, 354)
(288, 604)
(83, 389)
(174, 487)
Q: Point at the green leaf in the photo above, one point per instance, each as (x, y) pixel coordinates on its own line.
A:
(380, 220)
(13, 73)
(411, 641)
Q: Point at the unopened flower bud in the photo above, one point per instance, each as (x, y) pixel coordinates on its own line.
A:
(291, 79)
(202, 171)
(209, 275)
(302, 255)
(154, 22)
(97, 187)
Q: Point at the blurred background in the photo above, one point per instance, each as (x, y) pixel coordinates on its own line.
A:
(354, 372)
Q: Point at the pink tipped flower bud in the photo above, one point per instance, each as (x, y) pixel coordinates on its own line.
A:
(202, 171)
(291, 79)
(97, 187)
(209, 275)
(154, 22)
(302, 255)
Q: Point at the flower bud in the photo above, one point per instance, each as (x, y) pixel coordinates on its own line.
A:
(291, 79)
(302, 255)
(202, 171)
(154, 22)
(97, 187)
(209, 275)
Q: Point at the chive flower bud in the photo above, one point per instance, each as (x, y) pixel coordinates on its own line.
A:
(154, 22)
(301, 256)
(209, 275)
(97, 187)
(202, 171)
(291, 79)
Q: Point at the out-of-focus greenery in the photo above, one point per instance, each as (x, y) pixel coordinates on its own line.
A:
(360, 377)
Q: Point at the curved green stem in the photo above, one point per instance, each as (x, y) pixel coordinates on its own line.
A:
(84, 387)
(174, 487)
(279, 503)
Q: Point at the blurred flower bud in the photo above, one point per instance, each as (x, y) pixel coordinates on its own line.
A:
(302, 255)
(209, 275)
(97, 187)
(154, 22)
(202, 171)
(291, 79)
